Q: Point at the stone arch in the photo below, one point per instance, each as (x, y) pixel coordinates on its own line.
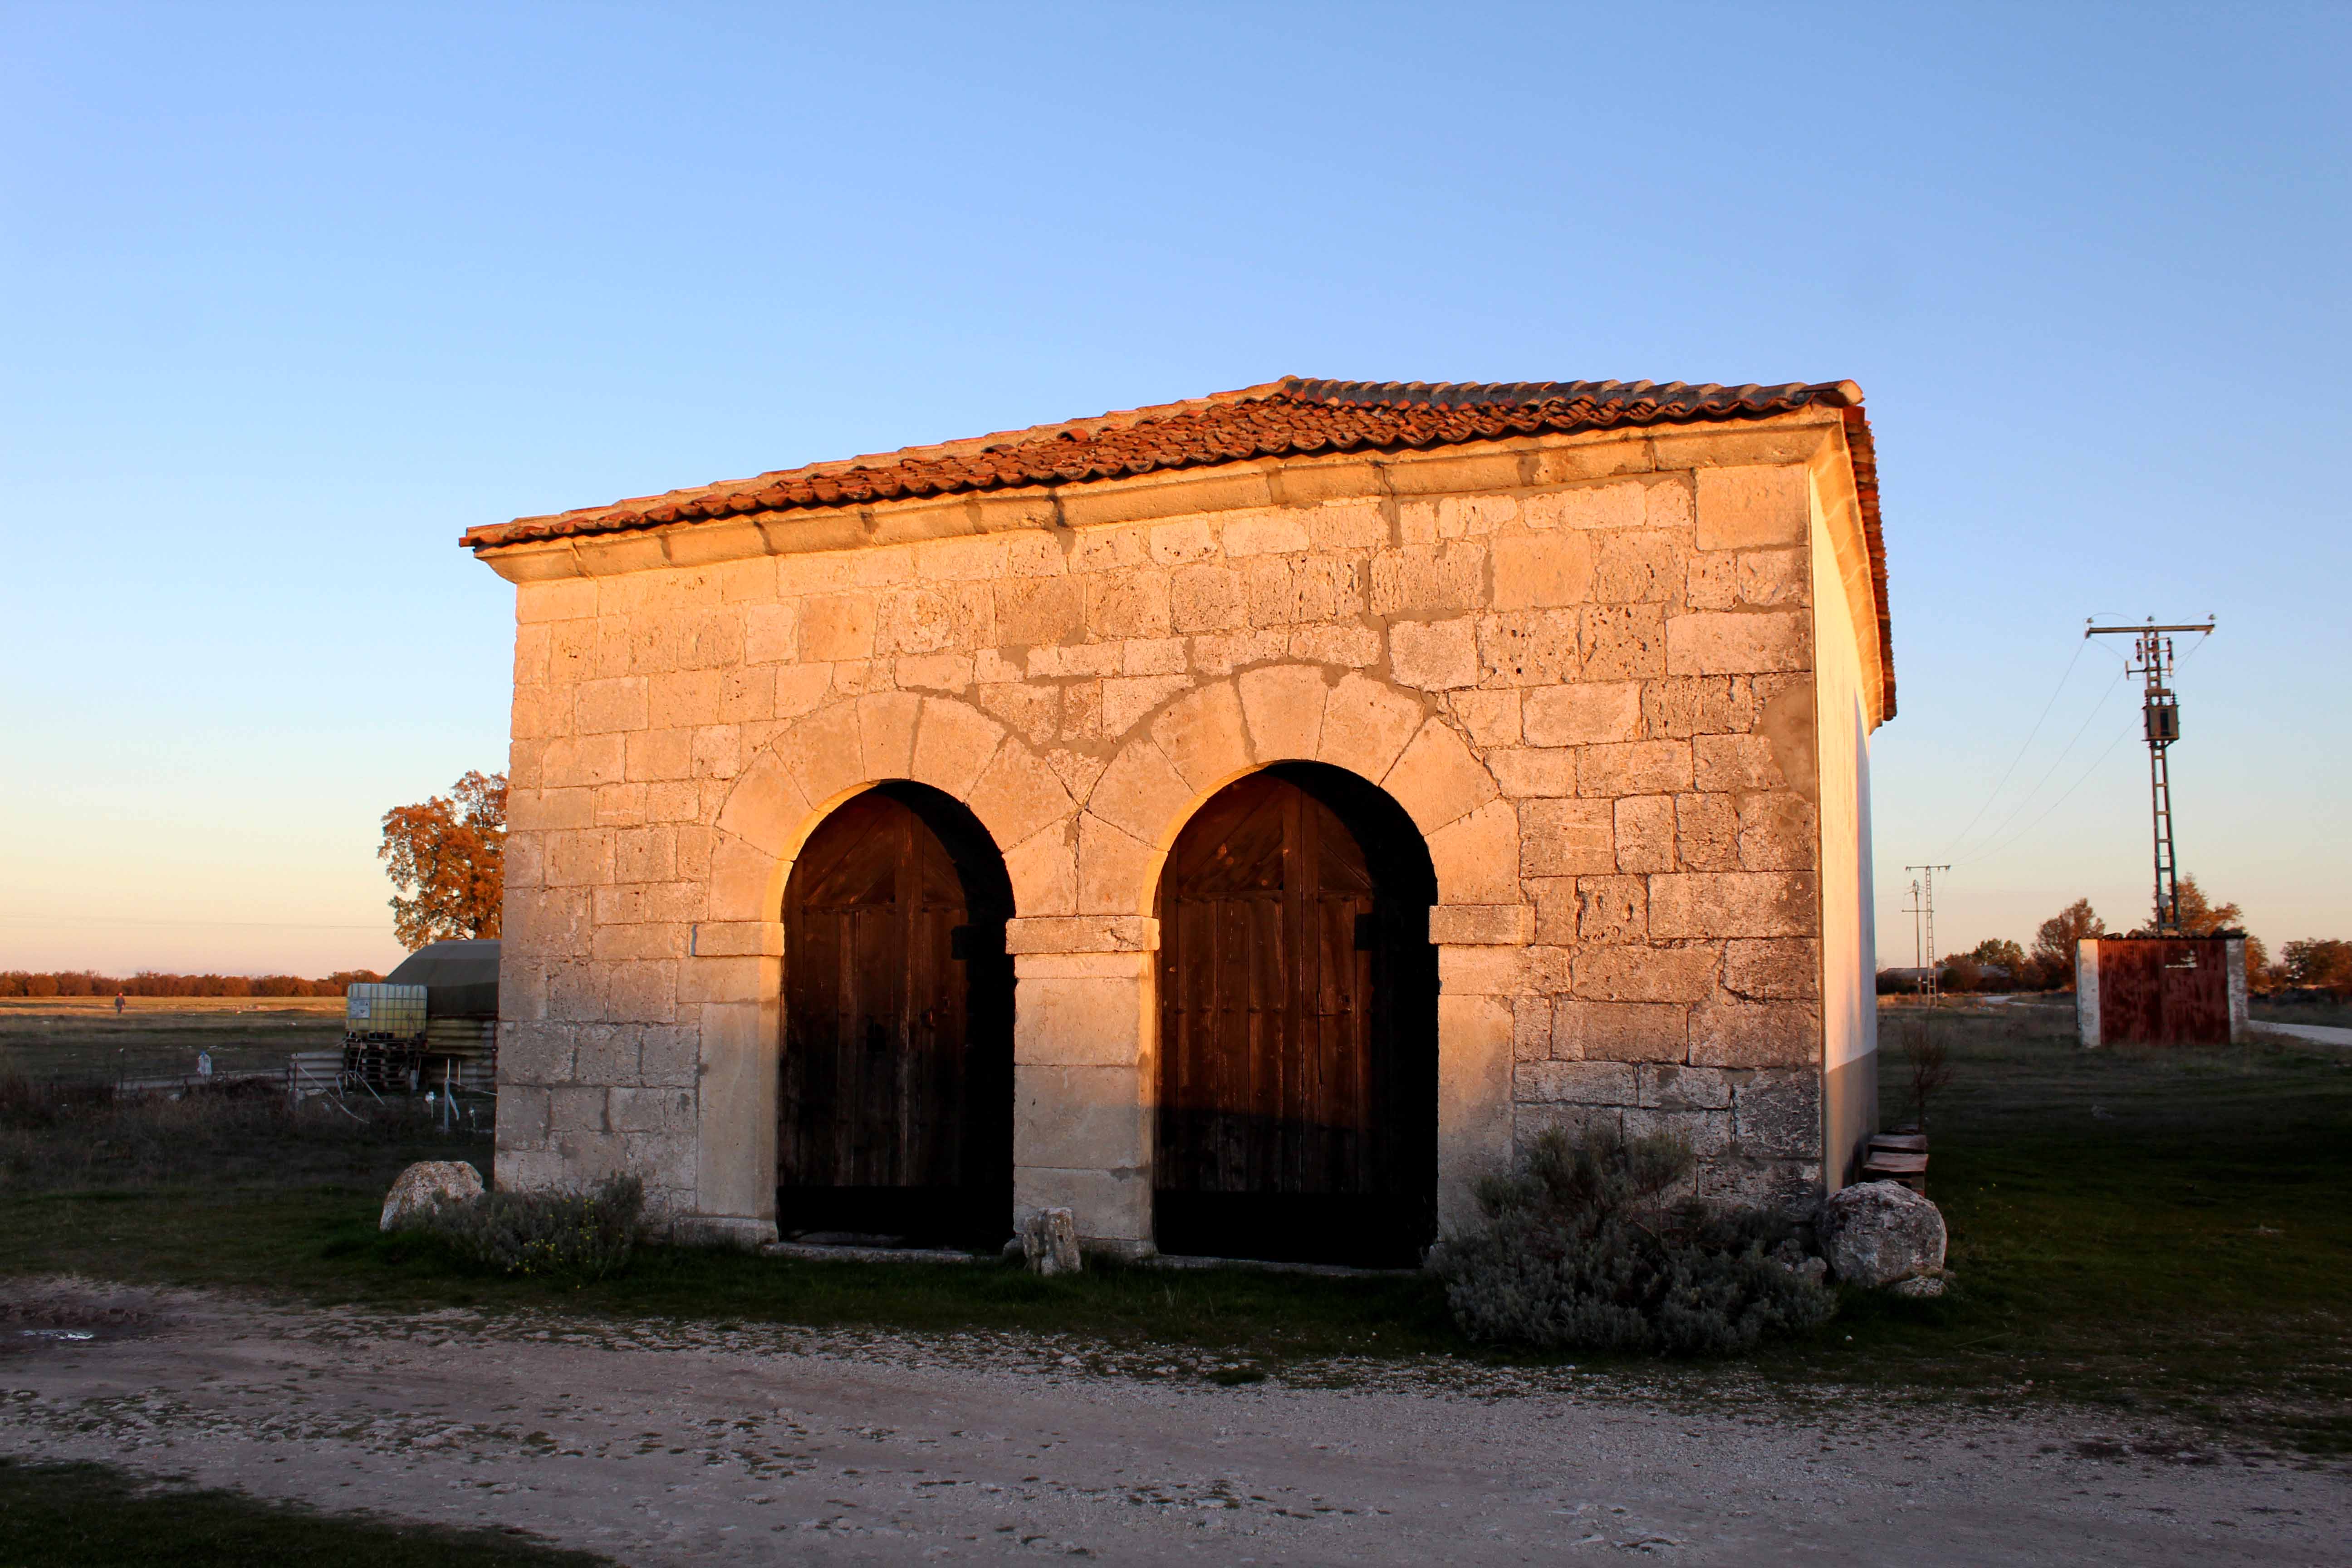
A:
(1390, 739)
(1212, 735)
(851, 746)
(733, 970)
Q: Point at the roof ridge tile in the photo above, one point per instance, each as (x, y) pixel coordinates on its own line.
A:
(1293, 414)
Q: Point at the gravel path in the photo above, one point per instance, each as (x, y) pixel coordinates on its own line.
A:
(665, 1443)
(2314, 1034)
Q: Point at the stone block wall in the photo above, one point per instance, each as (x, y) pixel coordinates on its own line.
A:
(1581, 664)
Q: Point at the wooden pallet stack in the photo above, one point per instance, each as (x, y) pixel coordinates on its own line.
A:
(313, 1073)
(1898, 1157)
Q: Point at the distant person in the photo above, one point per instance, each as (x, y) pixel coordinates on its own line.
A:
(117, 1003)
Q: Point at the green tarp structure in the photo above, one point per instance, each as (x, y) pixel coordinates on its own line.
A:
(460, 978)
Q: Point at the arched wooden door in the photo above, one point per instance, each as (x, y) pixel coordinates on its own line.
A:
(894, 1115)
(1296, 1061)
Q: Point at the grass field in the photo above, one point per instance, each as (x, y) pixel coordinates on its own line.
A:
(2168, 1233)
(79, 1038)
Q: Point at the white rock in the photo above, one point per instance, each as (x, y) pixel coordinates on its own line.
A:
(1050, 1242)
(427, 1183)
(1876, 1233)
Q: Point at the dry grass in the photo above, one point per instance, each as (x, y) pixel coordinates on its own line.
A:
(52, 1038)
(69, 1137)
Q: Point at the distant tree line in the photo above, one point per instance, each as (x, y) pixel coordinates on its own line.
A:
(148, 982)
(1999, 964)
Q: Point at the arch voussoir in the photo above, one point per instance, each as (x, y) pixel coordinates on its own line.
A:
(1438, 779)
(886, 733)
(1282, 705)
(1205, 736)
(1366, 726)
(955, 743)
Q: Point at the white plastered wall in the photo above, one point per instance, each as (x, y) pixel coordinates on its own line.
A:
(1842, 722)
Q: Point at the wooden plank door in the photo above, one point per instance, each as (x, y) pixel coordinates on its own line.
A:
(2172, 991)
(875, 998)
(2131, 992)
(1276, 1099)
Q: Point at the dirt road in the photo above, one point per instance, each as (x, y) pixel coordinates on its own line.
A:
(674, 1444)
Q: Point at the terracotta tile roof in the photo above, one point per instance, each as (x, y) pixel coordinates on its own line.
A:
(1290, 417)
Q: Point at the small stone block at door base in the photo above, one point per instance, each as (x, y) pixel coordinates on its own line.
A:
(1050, 1242)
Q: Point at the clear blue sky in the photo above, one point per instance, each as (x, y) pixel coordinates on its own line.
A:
(294, 295)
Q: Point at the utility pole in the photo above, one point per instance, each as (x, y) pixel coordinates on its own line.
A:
(2160, 720)
(1924, 897)
(1918, 947)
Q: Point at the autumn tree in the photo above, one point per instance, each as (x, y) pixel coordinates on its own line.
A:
(2053, 944)
(2001, 953)
(447, 858)
(2318, 962)
(2200, 916)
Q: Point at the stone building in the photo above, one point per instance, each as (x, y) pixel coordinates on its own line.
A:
(1240, 821)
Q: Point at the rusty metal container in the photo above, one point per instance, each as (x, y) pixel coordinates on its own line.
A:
(2161, 989)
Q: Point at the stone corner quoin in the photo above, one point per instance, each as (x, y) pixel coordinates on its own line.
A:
(1588, 667)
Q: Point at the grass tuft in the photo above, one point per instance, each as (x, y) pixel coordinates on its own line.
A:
(91, 1516)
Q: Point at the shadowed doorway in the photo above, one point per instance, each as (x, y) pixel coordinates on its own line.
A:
(896, 1113)
(1297, 1027)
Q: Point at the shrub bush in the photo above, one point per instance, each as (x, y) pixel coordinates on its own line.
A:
(583, 1236)
(1581, 1251)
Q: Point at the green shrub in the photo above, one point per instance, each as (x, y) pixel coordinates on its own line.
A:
(1580, 1251)
(583, 1236)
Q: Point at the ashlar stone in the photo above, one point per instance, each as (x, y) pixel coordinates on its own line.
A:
(1568, 837)
(1477, 859)
(1438, 779)
(1538, 571)
(1435, 656)
(1589, 713)
(835, 626)
(1751, 506)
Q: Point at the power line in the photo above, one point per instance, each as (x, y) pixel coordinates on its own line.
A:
(2023, 833)
(2027, 799)
(2055, 692)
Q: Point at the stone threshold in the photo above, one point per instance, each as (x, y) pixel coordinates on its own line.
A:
(1272, 1266)
(819, 1252)
(823, 1252)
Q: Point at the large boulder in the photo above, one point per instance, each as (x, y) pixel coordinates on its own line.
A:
(1878, 1233)
(427, 1183)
